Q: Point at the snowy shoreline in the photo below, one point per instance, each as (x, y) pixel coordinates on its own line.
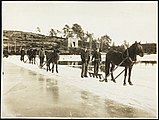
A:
(152, 57)
(127, 95)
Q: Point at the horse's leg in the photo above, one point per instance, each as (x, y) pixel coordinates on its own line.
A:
(23, 58)
(125, 76)
(34, 60)
(40, 62)
(56, 67)
(47, 65)
(111, 70)
(53, 67)
(130, 68)
(47, 68)
(29, 60)
(95, 68)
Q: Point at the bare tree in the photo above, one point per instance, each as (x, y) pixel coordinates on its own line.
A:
(66, 30)
(52, 32)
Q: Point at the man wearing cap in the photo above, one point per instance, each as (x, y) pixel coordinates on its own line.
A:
(85, 57)
(97, 59)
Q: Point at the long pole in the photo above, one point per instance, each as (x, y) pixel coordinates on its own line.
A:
(116, 67)
(119, 74)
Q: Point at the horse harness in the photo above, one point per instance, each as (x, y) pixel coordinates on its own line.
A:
(127, 57)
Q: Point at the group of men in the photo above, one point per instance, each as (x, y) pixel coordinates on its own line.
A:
(30, 53)
(85, 58)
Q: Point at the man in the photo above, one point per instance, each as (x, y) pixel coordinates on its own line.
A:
(85, 57)
(56, 59)
(41, 56)
(22, 54)
(5, 53)
(97, 59)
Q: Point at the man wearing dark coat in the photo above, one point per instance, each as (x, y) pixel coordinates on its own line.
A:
(85, 57)
(97, 59)
(22, 54)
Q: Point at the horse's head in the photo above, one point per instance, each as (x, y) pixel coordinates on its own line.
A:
(139, 49)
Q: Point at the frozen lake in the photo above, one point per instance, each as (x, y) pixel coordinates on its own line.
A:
(32, 92)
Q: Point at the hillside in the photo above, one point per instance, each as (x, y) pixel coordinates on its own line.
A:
(17, 39)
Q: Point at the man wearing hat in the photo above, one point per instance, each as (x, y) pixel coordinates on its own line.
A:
(97, 59)
(85, 57)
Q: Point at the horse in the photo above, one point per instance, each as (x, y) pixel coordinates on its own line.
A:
(29, 53)
(52, 57)
(125, 59)
(32, 55)
(34, 52)
(49, 57)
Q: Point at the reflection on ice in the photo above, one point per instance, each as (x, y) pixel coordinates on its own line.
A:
(32, 73)
(118, 110)
(52, 88)
(41, 78)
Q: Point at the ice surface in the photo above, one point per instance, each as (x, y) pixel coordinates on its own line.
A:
(143, 94)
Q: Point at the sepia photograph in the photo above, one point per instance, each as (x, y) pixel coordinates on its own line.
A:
(79, 59)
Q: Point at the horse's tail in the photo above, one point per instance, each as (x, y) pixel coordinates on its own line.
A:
(107, 65)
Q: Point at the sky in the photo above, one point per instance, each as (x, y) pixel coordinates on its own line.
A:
(130, 21)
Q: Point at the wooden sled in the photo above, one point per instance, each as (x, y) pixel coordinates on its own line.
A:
(91, 74)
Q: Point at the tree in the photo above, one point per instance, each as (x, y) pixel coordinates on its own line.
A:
(66, 30)
(89, 37)
(105, 42)
(52, 33)
(77, 29)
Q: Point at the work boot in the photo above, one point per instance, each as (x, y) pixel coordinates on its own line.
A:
(106, 80)
(130, 83)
